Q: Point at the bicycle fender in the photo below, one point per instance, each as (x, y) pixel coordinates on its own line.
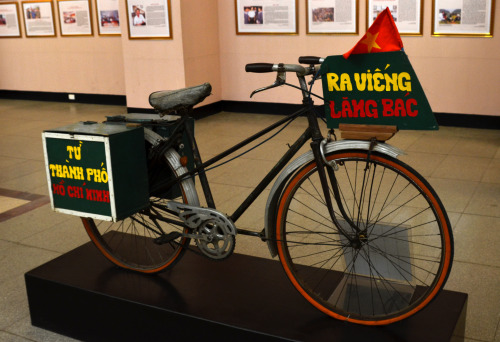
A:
(279, 185)
(174, 159)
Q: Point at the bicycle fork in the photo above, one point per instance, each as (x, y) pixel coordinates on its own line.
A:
(328, 177)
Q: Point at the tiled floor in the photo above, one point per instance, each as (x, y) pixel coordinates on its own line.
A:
(463, 165)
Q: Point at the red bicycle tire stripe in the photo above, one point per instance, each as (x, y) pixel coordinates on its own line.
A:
(422, 186)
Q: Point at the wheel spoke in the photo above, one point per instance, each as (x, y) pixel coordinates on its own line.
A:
(147, 241)
(384, 269)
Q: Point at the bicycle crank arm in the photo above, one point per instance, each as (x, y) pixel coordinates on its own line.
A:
(167, 238)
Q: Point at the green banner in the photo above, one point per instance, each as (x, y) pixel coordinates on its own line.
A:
(378, 88)
(78, 175)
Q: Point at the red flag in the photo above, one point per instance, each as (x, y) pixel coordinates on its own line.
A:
(382, 36)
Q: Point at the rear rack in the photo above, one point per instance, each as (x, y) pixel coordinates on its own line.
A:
(367, 132)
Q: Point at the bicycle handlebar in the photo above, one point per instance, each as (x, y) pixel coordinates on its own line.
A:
(299, 69)
(310, 60)
(268, 67)
(259, 67)
(282, 69)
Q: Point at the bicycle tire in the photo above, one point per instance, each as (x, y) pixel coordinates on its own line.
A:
(388, 272)
(130, 243)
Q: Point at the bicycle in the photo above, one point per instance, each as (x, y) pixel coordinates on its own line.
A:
(361, 235)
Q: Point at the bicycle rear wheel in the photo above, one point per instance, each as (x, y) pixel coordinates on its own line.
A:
(135, 242)
(391, 266)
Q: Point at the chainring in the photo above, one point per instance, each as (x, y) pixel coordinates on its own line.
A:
(215, 240)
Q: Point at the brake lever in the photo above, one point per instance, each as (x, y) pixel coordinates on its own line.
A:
(280, 80)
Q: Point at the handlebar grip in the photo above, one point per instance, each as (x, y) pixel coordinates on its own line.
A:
(310, 60)
(259, 67)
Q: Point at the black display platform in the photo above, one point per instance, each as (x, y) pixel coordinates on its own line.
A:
(243, 298)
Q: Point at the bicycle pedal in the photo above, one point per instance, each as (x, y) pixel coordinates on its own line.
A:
(166, 238)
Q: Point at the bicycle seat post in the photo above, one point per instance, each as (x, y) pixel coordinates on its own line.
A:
(198, 163)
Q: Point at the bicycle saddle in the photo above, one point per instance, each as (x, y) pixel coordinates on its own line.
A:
(166, 101)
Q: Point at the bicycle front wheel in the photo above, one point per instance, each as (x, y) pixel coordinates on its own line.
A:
(392, 254)
(149, 241)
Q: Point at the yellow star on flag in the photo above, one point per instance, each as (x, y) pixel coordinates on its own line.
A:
(371, 41)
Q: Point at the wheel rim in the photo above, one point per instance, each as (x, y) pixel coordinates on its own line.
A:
(131, 243)
(389, 271)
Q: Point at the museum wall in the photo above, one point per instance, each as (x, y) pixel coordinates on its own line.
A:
(459, 75)
(191, 57)
(92, 65)
(201, 45)
(150, 64)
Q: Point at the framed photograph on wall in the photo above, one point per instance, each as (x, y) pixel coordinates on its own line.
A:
(332, 16)
(408, 15)
(38, 18)
(74, 17)
(149, 19)
(9, 20)
(108, 17)
(266, 16)
(467, 18)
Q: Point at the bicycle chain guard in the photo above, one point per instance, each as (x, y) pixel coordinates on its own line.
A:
(214, 231)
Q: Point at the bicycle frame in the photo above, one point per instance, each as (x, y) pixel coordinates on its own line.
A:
(200, 166)
(346, 219)
(312, 132)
